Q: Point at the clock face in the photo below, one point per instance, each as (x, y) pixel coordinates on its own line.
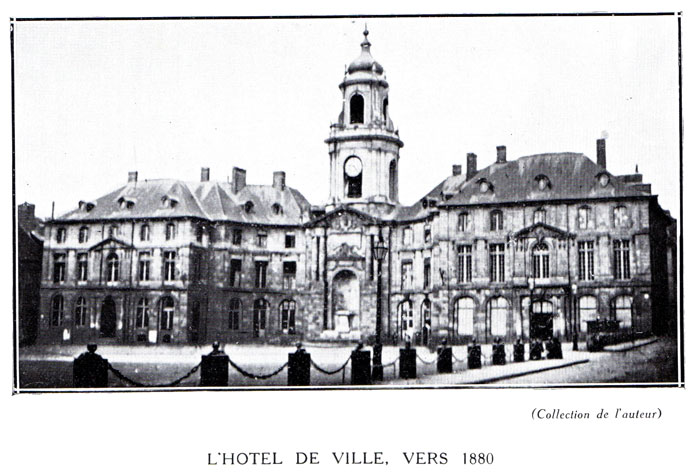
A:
(353, 167)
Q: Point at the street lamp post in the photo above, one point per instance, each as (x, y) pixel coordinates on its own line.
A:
(379, 252)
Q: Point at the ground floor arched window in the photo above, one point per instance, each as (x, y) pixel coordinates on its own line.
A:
(57, 305)
(498, 316)
(142, 313)
(81, 311)
(167, 313)
(464, 314)
(234, 314)
(587, 311)
(405, 310)
(287, 311)
(621, 310)
(261, 309)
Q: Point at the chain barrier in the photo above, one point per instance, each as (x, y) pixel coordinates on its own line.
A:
(426, 361)
(254, 376)
(459, 360)
(330, 372)
(130, 381)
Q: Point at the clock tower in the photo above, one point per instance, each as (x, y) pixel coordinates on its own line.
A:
(363, 144)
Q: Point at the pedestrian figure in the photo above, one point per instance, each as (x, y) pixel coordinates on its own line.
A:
(518, 351)
(474, 355)
(535, 349)
(90, 370)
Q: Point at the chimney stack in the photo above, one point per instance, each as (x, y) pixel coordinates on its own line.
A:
(132, 176)
(600, 150)
(239, 179)
(205, 175)
(471, 165)
(500, 154)
(279, 180)
(25, 216)
(457, 170)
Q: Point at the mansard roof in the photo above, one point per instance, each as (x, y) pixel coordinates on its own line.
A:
(569, 175)
(166, 198)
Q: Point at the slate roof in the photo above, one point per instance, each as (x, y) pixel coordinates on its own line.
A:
(205, 200)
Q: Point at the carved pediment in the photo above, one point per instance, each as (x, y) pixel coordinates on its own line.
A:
(541, 231)
(111, 243)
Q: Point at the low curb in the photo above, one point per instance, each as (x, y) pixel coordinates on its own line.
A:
(528, 372)
(625, 347)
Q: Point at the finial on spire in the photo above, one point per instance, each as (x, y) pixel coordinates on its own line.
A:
(366, 44)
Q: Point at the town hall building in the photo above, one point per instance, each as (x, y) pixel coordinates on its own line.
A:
(531, 247)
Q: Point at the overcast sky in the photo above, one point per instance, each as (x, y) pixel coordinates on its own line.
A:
(97, 99)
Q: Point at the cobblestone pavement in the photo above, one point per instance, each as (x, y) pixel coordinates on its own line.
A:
(51, 366)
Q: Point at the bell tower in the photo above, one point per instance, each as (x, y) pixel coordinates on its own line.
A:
(363, 144)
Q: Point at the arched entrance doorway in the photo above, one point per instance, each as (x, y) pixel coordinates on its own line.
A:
(346, 302)
(542, 320)
(107, 318)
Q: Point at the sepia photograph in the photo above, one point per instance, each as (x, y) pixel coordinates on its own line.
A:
(361, 203)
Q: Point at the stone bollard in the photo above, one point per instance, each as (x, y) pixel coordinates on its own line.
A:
(214, 368)
(360, 366)
(535, 349)
(378, 371)
(299, 367)
(474, 356)
(498, 351)
(90, 370)
(519, 351)
(445, 359)
(407, 362)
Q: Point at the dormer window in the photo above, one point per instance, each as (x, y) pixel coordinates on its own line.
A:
(169, 202)
(248, 207)
(277, 209)
(125, 203)
(542, 182)
(85, 206)
(603, 179)
(485, 186)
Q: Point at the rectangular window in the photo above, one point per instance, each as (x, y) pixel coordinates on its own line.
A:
(407, 236)
(170, 268)
(621, 259)
(235, 272)
(261, 240)
(289, 270)
(427, 234)
(60, 235)
(586, 270)
(260, 274)
(144, 266)
(170, 231)
(82, 267)
(290, 241)
(496, 220)
(407, 275)
(497, 264)
(463, 222)
(59, 268)
(427, 272)
(464, 263)
(236, 236)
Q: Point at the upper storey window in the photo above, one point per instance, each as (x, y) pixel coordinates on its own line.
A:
(539, 216)
(620, 217)
(496, 220)
(584, 216)
(385, 103)
(357, 107)
(542, 182)
(60, 235)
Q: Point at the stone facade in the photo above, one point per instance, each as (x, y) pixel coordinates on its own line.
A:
(532, 247)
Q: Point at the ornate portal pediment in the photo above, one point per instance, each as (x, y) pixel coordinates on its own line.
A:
(346, 251)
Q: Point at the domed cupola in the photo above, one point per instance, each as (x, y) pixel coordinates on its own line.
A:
(364, 143)
(365, 62)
